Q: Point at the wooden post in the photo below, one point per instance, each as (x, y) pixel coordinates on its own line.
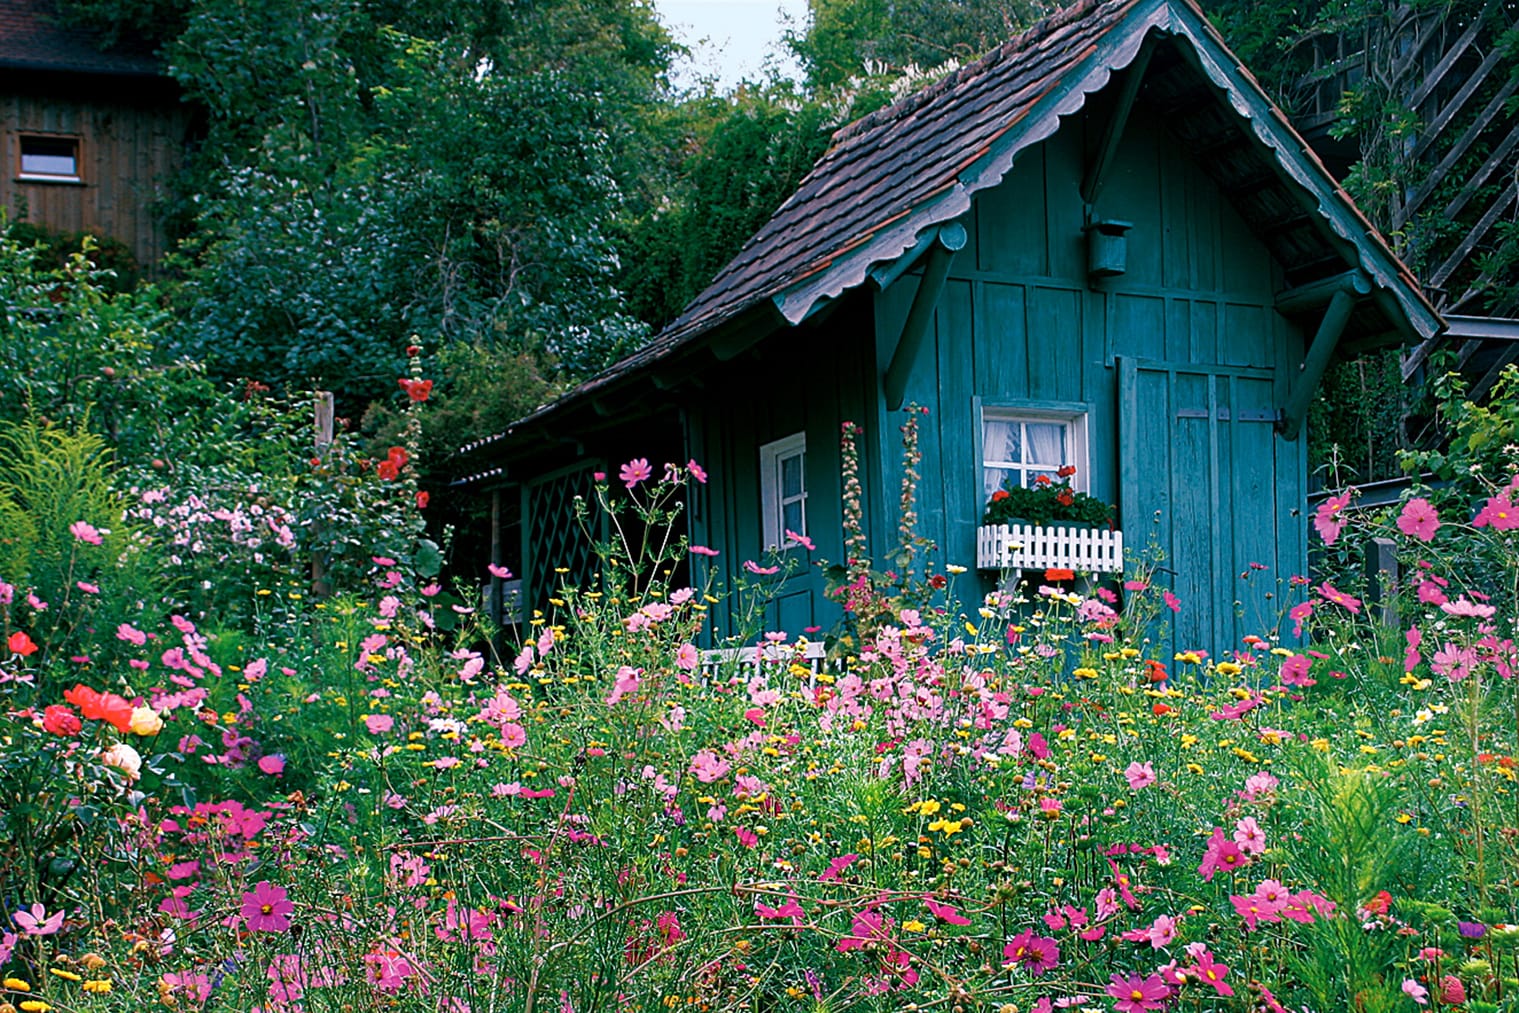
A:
(322, 421)
(1382, 580)
(498, 640)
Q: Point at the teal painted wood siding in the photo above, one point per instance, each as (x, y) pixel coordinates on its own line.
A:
(809, 382)
(1018, 322)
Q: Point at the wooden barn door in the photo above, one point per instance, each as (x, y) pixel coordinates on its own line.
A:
(1206, 484)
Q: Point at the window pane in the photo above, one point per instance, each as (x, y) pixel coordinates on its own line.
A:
(999, 442)
(993, 478)
(791, 476)
(48, 157)
(1046, 443)
(791, 518)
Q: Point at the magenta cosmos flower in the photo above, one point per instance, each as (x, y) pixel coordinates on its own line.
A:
(1419, 520)
(267, 908)
(1136, 995)
(635, 471)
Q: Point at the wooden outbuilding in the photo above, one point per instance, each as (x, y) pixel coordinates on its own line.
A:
(90, 136)
(1100, 245)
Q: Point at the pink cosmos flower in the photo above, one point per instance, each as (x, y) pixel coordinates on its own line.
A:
(635, 471)
(792, 909)
(85, 532)
(1419, 520)
(1411, 657)
(1295, 671)
(379, 724)
(1223, 854)
(1350, 604)
(626, 682)
(1453, 662)
(837, 866)
(1037, 954)
(1212, 972)
(754, 567)
(130, 634)
(707, 766)
(1140, 775)
(273, 764)
(1137, 995)
(1162, 932)
(1415, 991)
(267, 908)
(702, 550)
(499, 572)
(37, 922)
(697, 471)
(799, 539)
(1468, 609)
(1172, 602)
(1499, 513)
(687, 658)
(1250, 837)
(945, 913)
(1327, 520)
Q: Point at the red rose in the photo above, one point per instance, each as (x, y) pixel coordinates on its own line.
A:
(60, 720)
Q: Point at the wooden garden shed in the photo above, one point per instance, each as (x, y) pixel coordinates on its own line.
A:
(90, 136)
(1099, 245)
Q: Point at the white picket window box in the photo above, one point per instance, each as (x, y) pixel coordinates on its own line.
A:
(1048, 547)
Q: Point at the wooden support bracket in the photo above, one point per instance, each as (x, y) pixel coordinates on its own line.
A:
(1317, 360)
(951, 237)
(1112, 133)
(1318, 293)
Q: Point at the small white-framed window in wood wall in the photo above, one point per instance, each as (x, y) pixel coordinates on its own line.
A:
(783, 490)
(1019, 444)
(49, 158)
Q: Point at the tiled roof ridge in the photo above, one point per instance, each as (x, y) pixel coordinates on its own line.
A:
(1012, 48)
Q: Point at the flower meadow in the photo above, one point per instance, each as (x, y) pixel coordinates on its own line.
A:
(1001, 800)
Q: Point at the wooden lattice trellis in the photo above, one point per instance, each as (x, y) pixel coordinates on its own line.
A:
(556, 550)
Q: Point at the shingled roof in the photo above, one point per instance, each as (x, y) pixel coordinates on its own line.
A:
(888, 180)
(34, 38)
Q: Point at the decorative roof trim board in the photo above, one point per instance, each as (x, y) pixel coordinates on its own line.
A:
(1250, 102)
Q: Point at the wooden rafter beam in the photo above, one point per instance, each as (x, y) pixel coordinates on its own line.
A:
(1112, 131)
(951, 237)
(1315, 362)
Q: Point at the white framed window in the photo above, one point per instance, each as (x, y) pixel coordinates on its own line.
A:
(783, 490)
(51, 157)
(1019, 444)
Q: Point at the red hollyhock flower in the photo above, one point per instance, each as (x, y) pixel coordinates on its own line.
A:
(387, 470)
(60, 720)
(398, 456)
(21, 644)
(422, 499)
(417, 390)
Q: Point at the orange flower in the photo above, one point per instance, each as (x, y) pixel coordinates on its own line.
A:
(99, 706)
(1055, 573)
(22, 644)
(417, 390)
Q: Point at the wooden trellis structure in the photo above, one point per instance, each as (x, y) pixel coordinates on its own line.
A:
(1449, 151)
